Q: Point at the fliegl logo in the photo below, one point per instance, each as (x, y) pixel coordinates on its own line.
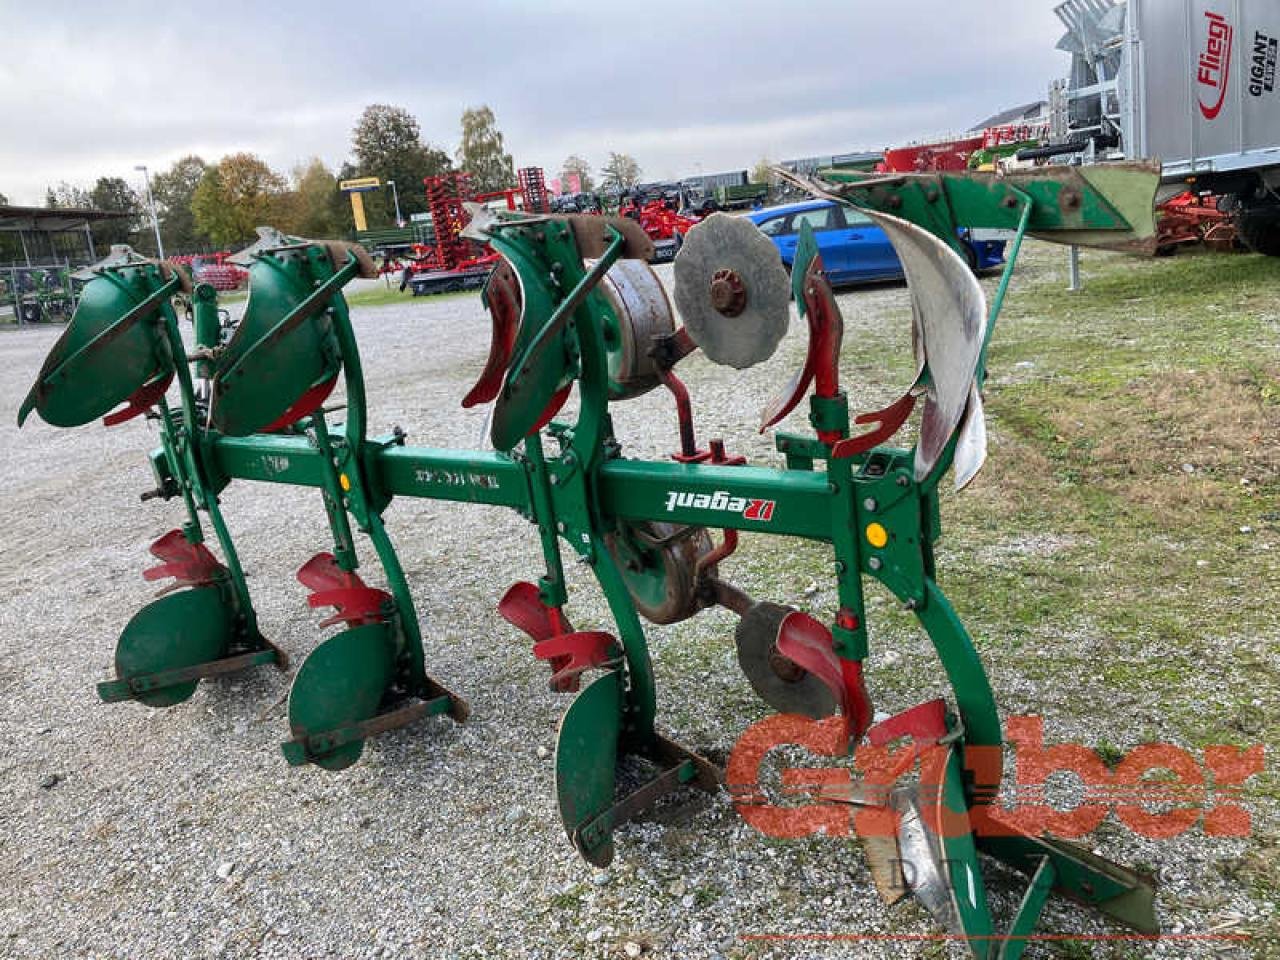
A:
(750, 509)
(1214, 67)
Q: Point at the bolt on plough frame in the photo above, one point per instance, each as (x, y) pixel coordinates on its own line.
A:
(573, 302)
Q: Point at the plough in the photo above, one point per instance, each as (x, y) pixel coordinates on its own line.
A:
(573, 303)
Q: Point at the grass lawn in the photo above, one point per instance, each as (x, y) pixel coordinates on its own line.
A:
(381, 295)
(1138, 430)
(1134, 487)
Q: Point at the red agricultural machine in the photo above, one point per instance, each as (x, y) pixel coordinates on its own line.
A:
(1192, 217)
(214, 269)
(940, 155)
(453, 262)
(661, 222)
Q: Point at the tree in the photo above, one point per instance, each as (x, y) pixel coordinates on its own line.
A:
(113, 194)
(316, 201)
(173, 190)
(65, 195)
(480, 153)
(575, 166)
(238, 195)
(762, 172)
(4, 201)
(387, 143)
(620, 173)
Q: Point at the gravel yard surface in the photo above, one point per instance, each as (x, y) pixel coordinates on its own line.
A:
(132, 833)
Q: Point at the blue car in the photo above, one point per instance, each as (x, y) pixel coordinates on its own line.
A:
(853, 248)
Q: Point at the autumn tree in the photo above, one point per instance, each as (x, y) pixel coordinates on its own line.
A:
(316, 203)
(173, 191)
(115, 195)
(387, 144)
(575, 166)
(620, 173)
(236, 196)
(481, 154)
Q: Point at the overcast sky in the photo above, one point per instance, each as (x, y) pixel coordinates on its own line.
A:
(92, 89)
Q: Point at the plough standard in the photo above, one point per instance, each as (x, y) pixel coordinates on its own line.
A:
(573, 302)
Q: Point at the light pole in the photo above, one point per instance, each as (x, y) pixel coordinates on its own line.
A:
(395, 195)
(151, 207)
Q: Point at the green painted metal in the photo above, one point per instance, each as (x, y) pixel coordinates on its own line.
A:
(108, 350)
(1110, 205)
(969, 891)
(208, 326)
(183, 629)
(341, 683)
(806, 250)
(535, 376)
(586, 761)
(283, 347)
(1127, 896)
(581, 492)
(1029, 910)
(657, 563)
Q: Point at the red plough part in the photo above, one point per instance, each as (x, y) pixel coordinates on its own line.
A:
(139, 402)
(190, 564)
(502, 297)
(570, 654)
(809, 644)
(307, 404)
(214, 269)
(822, 360)
(354, 603)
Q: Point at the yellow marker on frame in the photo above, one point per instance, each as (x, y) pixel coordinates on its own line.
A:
(877, 535)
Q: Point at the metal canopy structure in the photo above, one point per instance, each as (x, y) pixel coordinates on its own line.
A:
(36, 226)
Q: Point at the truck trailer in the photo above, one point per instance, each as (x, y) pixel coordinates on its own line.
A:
(1190, 83)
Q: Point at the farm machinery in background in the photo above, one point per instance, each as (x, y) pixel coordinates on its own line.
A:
(661, 219)
(668, 211)
(428, 254)
(573, 304)
(451, 261)
(215, 269)
(38, 294)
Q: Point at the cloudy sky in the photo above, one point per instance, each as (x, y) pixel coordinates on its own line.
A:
(91, 90)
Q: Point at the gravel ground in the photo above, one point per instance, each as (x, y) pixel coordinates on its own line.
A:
(182, 833)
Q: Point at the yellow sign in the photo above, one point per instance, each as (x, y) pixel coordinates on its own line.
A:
(359, 184)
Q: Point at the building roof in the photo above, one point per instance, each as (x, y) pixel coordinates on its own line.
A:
(1026, 111)
(52, 220)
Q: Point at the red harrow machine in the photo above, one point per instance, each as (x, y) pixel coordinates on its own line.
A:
(662, 224)
(575, 306)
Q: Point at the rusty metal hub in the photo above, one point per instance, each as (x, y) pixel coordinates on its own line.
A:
(728, 293)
